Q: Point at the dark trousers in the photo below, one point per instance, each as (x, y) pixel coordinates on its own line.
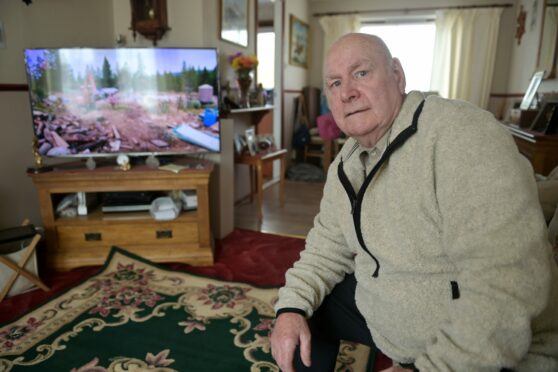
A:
(337, 319)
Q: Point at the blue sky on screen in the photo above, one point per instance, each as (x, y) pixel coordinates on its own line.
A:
(152, 60)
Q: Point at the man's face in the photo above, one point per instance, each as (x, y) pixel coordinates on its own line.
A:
(364, 88)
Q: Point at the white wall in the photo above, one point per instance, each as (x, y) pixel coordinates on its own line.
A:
(182, 16)
(45, 23)
(50, 23)
(294, 77)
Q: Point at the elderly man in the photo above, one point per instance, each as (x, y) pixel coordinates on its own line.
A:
(430, 243)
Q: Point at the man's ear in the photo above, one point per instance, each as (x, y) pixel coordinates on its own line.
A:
(399, 75)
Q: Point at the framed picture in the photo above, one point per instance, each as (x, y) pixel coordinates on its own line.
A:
(531, 90)
(239, 143)
(546, 120)
(298, 42)
(250, 135)
(234, 21)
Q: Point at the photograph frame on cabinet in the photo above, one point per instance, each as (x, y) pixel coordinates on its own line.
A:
(239, 143)
(529, 96)
(250, 135)
(234, 22)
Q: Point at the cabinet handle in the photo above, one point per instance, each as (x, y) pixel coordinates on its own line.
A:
(94, 236)
(164, 234)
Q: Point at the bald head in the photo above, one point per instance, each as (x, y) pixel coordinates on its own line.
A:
(364, 86)
(372, 44)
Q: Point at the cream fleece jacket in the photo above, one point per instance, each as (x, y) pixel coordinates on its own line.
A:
(465, 280)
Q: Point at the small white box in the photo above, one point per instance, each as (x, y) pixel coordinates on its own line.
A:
(190, 200)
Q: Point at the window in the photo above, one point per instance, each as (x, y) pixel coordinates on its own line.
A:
(412, 42)
(266, 59)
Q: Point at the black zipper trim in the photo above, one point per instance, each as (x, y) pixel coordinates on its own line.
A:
(357, 198)
(455, 293)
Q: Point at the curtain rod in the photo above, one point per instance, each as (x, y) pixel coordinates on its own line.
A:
(407, 10)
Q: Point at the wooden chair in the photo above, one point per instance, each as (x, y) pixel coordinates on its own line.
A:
(318, 147)
(24, 234)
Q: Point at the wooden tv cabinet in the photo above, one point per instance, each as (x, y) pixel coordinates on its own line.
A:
(86, 240)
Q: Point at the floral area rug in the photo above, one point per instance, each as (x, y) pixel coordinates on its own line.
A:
(137, 316)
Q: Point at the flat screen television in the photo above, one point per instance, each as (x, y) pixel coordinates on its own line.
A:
(137, 101)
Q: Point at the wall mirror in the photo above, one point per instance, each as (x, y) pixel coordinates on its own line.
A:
(234, 21)
(549, 39)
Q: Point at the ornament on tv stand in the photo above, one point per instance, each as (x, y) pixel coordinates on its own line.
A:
(39, 166)
(123, 162)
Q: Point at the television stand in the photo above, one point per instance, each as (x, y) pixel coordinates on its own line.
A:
(86, 240)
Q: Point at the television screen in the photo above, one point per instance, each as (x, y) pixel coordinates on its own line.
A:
(91, 102)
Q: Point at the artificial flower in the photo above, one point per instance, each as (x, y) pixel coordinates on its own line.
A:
(241, 61)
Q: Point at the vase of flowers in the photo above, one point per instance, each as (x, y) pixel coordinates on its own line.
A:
(243, 65)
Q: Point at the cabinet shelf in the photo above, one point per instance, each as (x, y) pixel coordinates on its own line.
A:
(99, 217)
(86, 240)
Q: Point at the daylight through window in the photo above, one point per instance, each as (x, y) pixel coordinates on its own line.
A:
(413, 44)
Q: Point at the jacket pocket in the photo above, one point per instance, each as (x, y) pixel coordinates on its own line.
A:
(455, 294)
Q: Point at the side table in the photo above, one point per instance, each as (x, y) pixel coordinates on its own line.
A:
(256, 162)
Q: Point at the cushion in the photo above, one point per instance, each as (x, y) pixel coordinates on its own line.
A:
(327, 127)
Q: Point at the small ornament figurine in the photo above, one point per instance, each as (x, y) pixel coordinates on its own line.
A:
(260, 95)
(39, 166)
(123, 162)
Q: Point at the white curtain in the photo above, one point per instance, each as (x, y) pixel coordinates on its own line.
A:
(337, 26)
(464, 53)
(548, 42)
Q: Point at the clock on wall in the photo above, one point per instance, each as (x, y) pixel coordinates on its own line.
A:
(149, 18)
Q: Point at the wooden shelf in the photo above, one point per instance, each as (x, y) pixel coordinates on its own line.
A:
(97, 216)
(256, 112)
(86, 240)
(252, 109)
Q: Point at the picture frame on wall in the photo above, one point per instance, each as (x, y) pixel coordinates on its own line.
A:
(299, 38)
(529, 96)
(234, 21)
(239, 143)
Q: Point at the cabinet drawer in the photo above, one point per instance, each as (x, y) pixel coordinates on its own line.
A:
(70, 237)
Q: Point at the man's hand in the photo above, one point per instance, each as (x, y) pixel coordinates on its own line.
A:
(291, 329)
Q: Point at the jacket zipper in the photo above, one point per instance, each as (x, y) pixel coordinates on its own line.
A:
(356, 198)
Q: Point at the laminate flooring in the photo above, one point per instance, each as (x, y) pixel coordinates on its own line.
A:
(295, 218)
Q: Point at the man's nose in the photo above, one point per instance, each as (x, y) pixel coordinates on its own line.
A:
(348, 92)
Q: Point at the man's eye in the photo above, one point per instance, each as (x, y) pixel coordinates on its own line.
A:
(334, 84)
(361, 73)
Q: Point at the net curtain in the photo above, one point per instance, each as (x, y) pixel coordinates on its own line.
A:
(464, 53)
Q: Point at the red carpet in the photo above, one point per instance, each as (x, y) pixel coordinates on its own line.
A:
(245, 256)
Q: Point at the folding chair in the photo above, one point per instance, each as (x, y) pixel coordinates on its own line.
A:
(27, 235)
